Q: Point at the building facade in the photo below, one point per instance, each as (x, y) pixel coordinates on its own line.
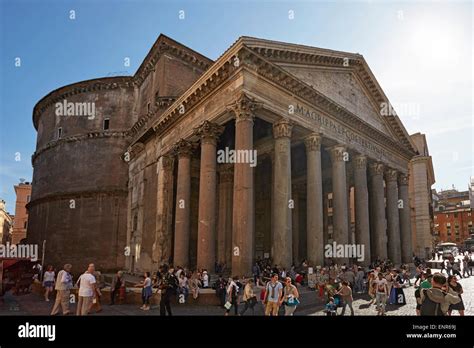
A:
(454, 225)
(20, 225)
(323, 143)
(422, 177)
(471, 191)
(6, 224)
(453, 216)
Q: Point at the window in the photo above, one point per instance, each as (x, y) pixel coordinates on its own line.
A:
(25, 224)
(28, 198)
(447, 216)
(106, 123)
(148, 107)
(448, 225)
(330, 203)
(330, 220)
(469, 214)
(455, 215)
(60, 132)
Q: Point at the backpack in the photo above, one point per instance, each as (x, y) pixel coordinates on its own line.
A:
(417, 296)
(430, 307)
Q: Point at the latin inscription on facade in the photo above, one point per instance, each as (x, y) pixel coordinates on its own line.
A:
(339, 129)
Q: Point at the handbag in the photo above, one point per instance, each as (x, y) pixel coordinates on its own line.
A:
(292, 301)
(252, 301)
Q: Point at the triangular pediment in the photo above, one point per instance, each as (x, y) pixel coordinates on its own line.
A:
(344, 88)
(342, 77)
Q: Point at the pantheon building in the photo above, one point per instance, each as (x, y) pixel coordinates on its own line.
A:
(142, 183)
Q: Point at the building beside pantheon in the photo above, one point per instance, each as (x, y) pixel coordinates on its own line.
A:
(140, 184)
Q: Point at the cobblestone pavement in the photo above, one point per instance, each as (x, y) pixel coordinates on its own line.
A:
(362, 307)
(33, 304)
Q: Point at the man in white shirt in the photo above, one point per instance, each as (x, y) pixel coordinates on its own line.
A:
(205, 279)
(87, 284)
(63, 287)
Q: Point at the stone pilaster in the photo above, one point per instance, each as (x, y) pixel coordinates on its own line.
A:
(282, 236)
(420, 195)
(361, 206)
(183, 204)
(405, 224)
(206, 252)
(377, 212)
(314, 200)
(339, 195)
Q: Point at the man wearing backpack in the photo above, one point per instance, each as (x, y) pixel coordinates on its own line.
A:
(436, 301)
(168, 287)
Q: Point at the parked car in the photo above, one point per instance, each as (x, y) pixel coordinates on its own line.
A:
(450, 253)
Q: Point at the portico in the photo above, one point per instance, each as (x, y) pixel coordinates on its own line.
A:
(315, 155)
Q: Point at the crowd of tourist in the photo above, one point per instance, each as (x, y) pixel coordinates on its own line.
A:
(273, 289)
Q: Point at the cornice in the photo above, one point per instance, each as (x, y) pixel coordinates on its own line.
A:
(224, 68)
(161, 104)
(103, 83)
(353, 62)
(82, 137)
(167, 45)
(77, 195)
(161, 46)
(220, 71)
(299, 88)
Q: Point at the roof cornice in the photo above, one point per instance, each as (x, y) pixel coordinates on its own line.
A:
(278, 52)
(161, 46)
(248, 58)
(304, 91)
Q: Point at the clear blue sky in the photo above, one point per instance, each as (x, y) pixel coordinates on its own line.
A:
(420, 52)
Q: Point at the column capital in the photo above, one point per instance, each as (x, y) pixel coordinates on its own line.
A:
(338, 153)
(391, 174)
(403, 179)
(209, 131)
(282, 129)
(360, 162)
(313, 142)
(244, 108)
(183, 148)
(376, 168)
